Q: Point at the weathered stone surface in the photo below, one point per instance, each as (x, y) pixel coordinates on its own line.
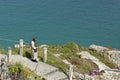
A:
(109, 73)
(44, 45)
(66, 62)
(87, 55)
(2, 56)
(98, 48)
(78, 75)
(113, 56)
(42, 69)
(57, 75)
(57, 55)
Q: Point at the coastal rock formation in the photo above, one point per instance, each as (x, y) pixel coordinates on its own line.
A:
(87, 55)
(114, 56)
(98, 48)
(109, 75)
(104, 72)
(111, 55)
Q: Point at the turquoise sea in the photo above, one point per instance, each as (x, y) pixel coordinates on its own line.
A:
(56, 22)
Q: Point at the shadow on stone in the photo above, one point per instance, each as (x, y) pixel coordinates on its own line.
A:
(40, 58)
(28, 54)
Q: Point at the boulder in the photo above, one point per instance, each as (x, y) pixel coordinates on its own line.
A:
(113, 56)
(98, 48)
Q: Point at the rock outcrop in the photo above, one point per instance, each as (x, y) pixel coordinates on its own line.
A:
(98, 48)
(111, 55)
(114, 56)
(108, 74)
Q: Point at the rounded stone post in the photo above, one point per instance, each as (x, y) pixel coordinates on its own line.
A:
(45, 55)
(9, 54)
(70, 71)
(85, 78)
(21, 47)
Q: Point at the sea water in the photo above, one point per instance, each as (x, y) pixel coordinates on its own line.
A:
(56, 22)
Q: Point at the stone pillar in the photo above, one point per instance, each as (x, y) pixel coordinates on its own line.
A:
(9, 54)
(85, 77)
(70, 71)
(45, 55)
(21, 47)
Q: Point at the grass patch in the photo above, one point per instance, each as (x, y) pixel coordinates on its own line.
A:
(27, 51)
(2, 50)
(15, 51)
(69, 51)
(83, 65)
(57, 62)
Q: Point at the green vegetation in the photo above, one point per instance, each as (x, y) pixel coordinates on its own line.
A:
(15, 51)
(27, 52)
(57, 62)
(2, 50)
(67, 52)
(18, 72)
(83, 65)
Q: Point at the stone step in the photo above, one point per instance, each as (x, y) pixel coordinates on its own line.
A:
(57, 75)
(42, 69)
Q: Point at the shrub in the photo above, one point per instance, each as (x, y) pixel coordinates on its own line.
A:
(2, 50)
(16, 71)
(70, 49)
(73, 47)
(15, 51)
